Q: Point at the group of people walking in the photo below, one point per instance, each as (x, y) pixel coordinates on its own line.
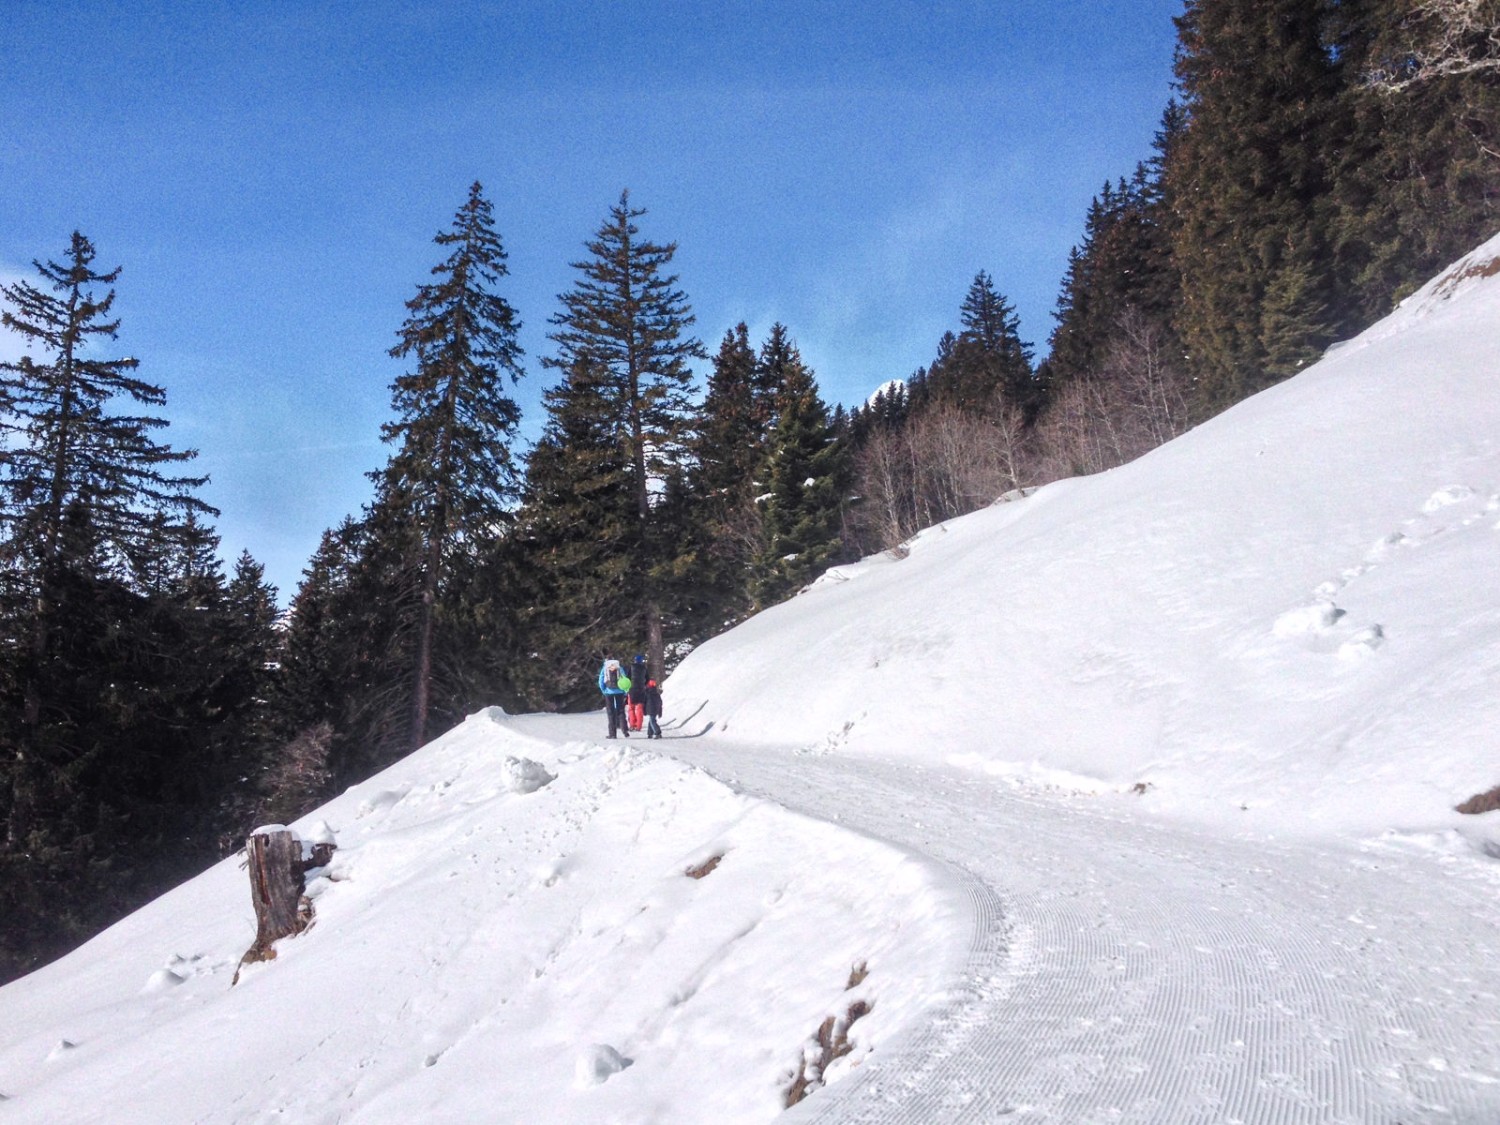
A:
(631, 698)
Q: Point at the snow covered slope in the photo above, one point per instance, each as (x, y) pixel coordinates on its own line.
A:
(498, 938)
(1287, 617)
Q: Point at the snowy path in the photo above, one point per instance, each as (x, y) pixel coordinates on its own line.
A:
(1125, 970)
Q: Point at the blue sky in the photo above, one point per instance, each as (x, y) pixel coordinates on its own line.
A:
(271, 175)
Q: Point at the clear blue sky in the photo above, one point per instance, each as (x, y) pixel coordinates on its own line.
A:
(271, 175)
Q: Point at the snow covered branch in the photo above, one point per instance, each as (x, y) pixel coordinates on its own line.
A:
(1453, 38)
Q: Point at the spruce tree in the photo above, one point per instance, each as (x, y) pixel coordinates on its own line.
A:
(86, 491)
(1417, 170)
(1123, 269)
(1249, 179)
(622, 336)
(991, 367)
(452, 479)
(804, 490)
(101, 718)
(727, 456)
(581, 582)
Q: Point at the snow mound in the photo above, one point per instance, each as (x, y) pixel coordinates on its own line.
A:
(522, 775)
(596, 1064)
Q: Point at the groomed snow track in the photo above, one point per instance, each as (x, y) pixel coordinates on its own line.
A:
(1125, 970)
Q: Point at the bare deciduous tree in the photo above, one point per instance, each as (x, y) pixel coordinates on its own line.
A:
(945, 462)
(1136, 402)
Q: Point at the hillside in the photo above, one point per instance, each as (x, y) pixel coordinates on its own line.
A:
(1290, 608)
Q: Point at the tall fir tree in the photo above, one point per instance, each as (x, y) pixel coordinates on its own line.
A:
(452, 479)
(623, 346)
(72, 455)
(990, 367)
(727, 458)
(1122, 268)
(804, 488)
(1417, 170)
(578, 520)
(100, 724)
(1250, 185)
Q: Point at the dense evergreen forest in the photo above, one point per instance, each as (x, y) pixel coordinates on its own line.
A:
(1320, 160)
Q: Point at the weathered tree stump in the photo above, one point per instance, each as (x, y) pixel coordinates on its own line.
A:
(277, 869)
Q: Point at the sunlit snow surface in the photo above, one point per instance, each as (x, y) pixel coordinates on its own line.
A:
(1130, 801)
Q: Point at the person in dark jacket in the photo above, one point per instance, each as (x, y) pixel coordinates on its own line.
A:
(653, 709)
(610, 674)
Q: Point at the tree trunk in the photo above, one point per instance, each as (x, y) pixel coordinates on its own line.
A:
(276, 885)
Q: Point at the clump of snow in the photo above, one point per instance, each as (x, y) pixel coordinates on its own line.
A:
(380, 802)
(1363, 643)
(318, 832)
(1446, 497)
(163, 979)
(595, 1065)
(522, 775)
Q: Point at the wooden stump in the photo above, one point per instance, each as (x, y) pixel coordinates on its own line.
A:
(276, 866)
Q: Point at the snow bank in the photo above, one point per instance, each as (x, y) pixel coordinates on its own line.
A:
(507, 931)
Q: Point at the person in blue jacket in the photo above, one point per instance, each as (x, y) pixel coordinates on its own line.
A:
(610, 675)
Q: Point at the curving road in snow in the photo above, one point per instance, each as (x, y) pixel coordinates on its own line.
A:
(1124, 969)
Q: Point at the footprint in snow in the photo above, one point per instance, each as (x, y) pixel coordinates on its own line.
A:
(1447, 497)
(382, 801)
(1307, 619)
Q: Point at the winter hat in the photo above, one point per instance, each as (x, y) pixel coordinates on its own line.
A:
(650, 683)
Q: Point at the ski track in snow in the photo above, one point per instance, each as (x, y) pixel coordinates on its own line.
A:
(1173, 976)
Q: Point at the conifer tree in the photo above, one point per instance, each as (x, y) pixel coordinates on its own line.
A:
(805, 480)
(1249, 180)
(86, 492)
(578, 521)
(991, 366)
(105, 673)
(251, 642)
(1417, 170)
(728, 455)
(452, 478)
(66, 438)
(623, 346)
(1123, 269)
